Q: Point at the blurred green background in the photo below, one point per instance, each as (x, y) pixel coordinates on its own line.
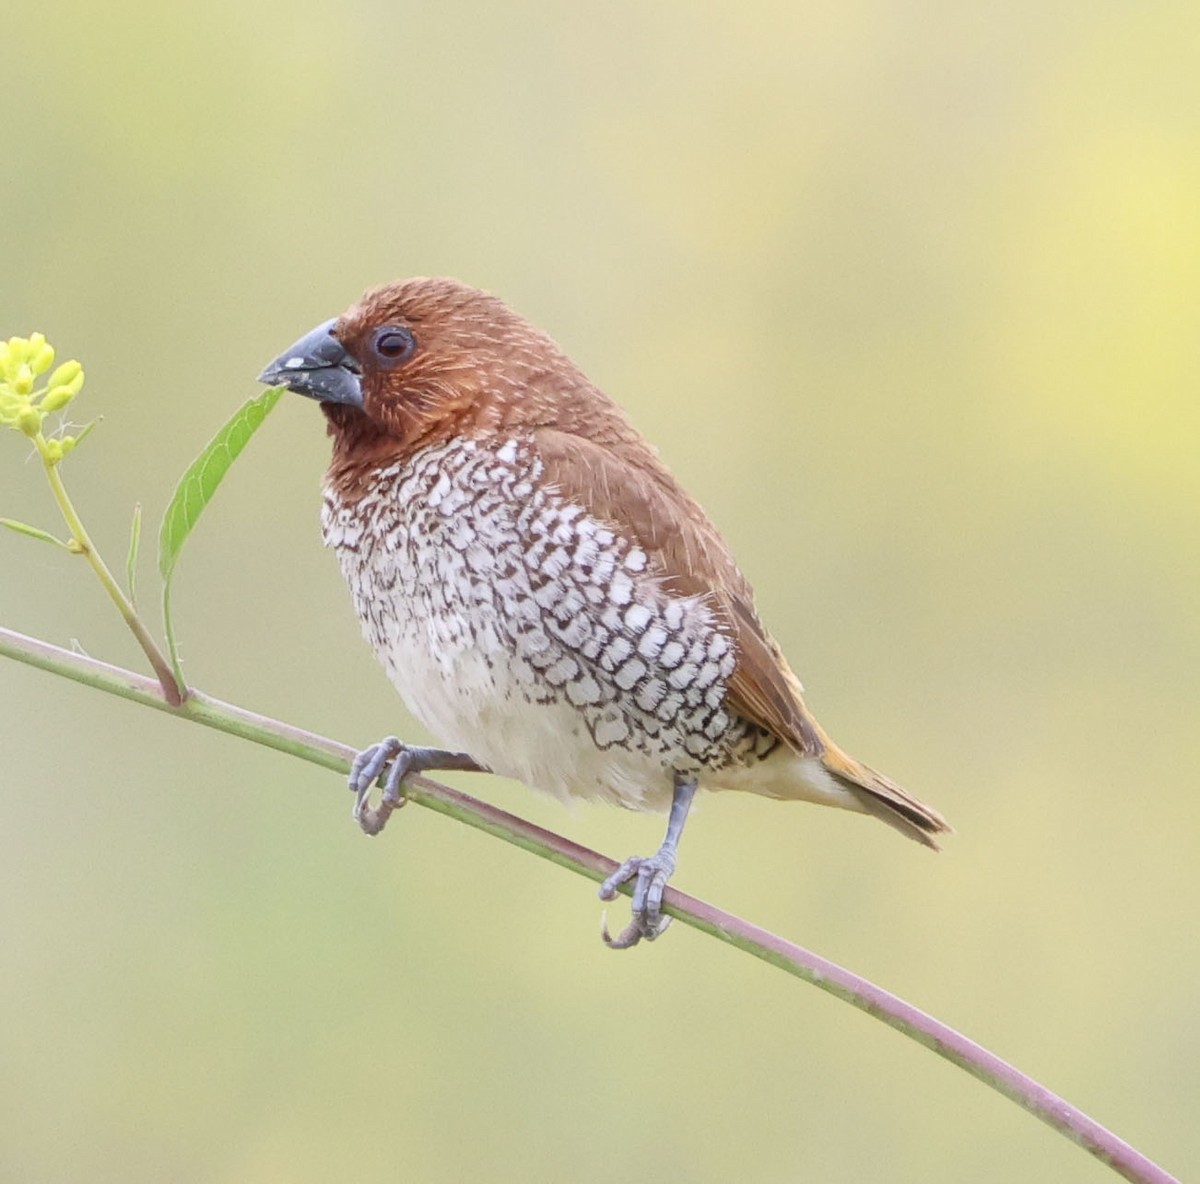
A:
(909, 296)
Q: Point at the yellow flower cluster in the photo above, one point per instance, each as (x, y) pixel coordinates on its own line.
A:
(24, 404)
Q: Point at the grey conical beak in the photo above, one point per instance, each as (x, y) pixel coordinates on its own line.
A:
(318, 366)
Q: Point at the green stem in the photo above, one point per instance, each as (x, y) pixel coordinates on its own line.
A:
(173, 687)
(812, 968)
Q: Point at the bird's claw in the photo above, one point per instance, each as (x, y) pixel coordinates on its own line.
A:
(400, 760)
(650, 874)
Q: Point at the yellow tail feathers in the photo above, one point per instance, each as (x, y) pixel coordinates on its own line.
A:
(885, 799)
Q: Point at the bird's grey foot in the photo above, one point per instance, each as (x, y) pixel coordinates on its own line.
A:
(401, 760)
(650, 874)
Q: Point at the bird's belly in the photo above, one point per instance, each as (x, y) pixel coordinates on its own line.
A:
(476, 696)
(521, 630)
(483, 710)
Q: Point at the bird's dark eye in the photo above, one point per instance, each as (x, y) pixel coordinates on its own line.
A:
(393, 344)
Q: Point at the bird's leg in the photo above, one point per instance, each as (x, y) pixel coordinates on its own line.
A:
(651, 874)
(401, 760)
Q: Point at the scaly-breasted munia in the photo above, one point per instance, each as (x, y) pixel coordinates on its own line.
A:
(540, 590)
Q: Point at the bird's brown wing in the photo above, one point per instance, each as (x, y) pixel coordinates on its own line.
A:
(622, 481)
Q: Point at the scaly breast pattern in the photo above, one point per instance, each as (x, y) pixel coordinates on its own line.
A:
(521, 629)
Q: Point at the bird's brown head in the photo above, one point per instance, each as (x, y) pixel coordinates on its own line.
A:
(422, 360)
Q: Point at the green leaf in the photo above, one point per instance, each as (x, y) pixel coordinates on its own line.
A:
(195, 490)
(33, 532)
(197, 486)
(135, 541)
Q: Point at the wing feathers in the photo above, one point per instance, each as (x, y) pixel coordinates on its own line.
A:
(623, 482)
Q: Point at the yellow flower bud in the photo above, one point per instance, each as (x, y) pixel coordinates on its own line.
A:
(43, 359)
(18, 352)
(22, 360)
(68, 444)
(56, 398)
(22, 381)
(54, 451)
(65, 373)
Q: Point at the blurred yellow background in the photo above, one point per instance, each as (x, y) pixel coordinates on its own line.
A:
(909, 296)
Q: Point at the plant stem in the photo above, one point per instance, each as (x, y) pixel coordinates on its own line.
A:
(924, 1029)
(173, 688)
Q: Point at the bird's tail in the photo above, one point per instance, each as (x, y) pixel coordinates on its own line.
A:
(885, 799)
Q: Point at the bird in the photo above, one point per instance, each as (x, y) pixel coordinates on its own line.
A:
(547, 599)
